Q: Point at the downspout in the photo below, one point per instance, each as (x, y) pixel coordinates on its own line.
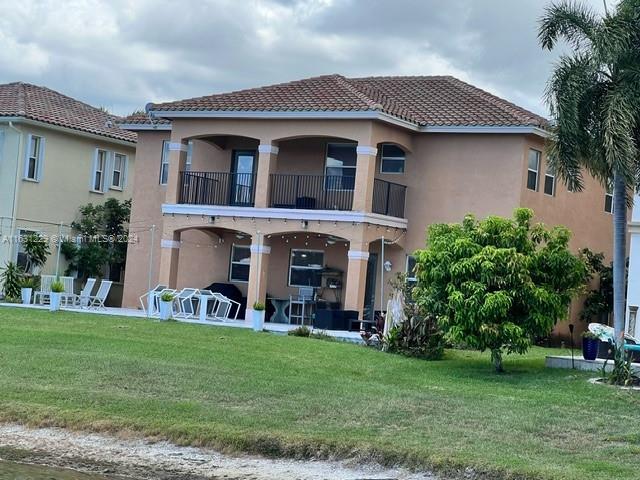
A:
(14, 207)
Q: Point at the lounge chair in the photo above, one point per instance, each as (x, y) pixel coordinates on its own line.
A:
(97, 300)
(184, 302)
(44, 293)
(82, 300)
(68, 295)
(153, 297)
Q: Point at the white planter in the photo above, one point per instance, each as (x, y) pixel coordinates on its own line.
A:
(54, 301)
(257, 318)
(25, 293)
(166, 310)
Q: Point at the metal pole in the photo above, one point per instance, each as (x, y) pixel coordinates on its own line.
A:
(381, 277)
(153, 234)
(59, 245)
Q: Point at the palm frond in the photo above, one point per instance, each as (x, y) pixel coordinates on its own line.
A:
(577, 23)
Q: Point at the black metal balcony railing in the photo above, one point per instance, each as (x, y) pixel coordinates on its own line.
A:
(217, 188)
(312, 192)
(388, 198)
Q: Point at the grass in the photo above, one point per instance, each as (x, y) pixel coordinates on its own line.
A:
(284, 395)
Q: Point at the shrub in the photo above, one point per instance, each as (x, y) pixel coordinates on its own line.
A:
(301, 331)
(11, 280)
(498, 283)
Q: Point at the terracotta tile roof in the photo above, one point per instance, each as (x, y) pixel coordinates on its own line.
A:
(142, 119)
(48, 106)
(422, 100)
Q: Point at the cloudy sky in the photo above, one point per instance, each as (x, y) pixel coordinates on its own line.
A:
(122, 54)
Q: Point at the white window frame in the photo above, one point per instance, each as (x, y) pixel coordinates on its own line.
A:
(608, 193)
(164, 161)
(536, 171)
(326, 157)
(553, 184)
(123, 171)
(96, 170)
(232, 263)
(410, 275)
(189, 159)
(298, 267)
(383, 158)
(38, 159)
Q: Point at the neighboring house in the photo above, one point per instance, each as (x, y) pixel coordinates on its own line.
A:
(56, 154)
(632, 324)
(297, 184)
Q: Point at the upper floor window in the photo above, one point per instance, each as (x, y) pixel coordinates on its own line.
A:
(99, 168)
(340, 169)
(391, 159)
(305, 268)
(35, 157)
(533, 169)
(608, 199)
(118, 173)
(164, 163)
(239, 264)
(550, 181)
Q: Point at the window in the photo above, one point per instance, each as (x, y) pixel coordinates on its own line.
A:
(391, 159)
(550, 181)
(119, 168)
(164, 163)
(340, 170)
(239, 264)
(608, 200)
(35, 157)
(533, 169)
(411, 265)
(22, 259)
(305, 268)
(99, 166)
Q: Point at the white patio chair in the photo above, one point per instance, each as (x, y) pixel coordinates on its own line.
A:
(97, 300)
(304, 299)
(153, 297)
(82, 300)
(184, 302)
(69, 294)
(221, 307)
(45, 289)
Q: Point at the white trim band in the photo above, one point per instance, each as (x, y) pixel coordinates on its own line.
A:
(357, 255)
(366, 150)
(164, 243)
(178, 147)
(286, 214)
(260, 249)
(267, 148)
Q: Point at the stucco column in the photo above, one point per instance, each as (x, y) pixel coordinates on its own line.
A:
(177, 161)
(267, 159)
(258, 273)
(169, 252)
(356, 278)
(365, 175)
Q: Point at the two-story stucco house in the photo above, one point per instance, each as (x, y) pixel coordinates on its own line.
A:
(299, 184)
(56, 154)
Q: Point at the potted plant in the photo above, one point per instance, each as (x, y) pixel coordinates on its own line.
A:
(26, 289)
(57, 288)
(258, 316)
(590, 344)
(166, 305)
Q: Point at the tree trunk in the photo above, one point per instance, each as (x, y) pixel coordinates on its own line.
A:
(619, 254)
(496, 359)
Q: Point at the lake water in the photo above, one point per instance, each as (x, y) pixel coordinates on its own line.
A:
(16, 471)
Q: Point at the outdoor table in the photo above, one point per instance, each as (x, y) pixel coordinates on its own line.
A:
(280, 305)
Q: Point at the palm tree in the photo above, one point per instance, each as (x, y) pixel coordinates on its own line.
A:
(594, 99)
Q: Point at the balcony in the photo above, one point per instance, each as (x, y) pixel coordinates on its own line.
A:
(288, 191)
(217, 188)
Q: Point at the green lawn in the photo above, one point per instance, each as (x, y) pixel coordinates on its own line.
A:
(278, 395)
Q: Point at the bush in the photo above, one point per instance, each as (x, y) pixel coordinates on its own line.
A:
(301, 331)
(497, 284)
(11, 280)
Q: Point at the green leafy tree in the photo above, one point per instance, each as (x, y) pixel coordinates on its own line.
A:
(599, 301)
(498, 283)
(594, 99)
(101, 230)
(37, 250)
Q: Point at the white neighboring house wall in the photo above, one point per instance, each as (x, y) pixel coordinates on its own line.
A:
(632, 324)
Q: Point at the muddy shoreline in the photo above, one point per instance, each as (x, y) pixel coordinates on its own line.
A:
(140, 459)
